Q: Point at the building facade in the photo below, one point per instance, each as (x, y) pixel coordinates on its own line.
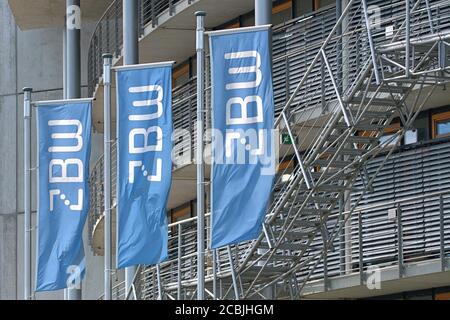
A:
(360, 205)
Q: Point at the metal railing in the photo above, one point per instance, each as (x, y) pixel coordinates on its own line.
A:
(108, 34)
(299, 37)
(313, 75)
(419, 231)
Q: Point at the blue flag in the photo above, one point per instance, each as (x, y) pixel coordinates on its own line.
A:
(144, 96)
(64, 139)
(243, 142)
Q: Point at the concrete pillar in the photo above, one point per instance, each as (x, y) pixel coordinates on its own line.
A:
(73, 69)
(10, 111)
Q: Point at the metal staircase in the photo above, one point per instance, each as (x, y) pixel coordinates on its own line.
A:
(326, 169)
(368, 77)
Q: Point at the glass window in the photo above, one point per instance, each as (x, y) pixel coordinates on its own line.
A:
(443, 127)
(317, 4)
(180, 75)
(282, 12)
(302, 7)
(441, 124)
(181, 213)
(386, 139)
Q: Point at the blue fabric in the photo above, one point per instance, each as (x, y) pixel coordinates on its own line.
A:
(64, 133)
(242, 118)
(144, 164)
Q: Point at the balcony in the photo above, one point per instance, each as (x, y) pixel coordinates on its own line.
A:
(299, 37)
(167, 32)
(296, 44)
(412, 245)
(50, 13)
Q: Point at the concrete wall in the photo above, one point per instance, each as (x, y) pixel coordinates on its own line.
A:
(31, 58)
(8, 154)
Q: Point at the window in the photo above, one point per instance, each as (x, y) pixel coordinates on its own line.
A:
(232, 25)
(317, 4)
(440, 125)
(442, 296)
(389, 133)
(281, 12)
(180, 213)
(285, 169)
(180, 75)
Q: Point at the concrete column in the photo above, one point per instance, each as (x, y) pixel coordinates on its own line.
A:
(73, 30)
(130, 32)
(263, 12)
(73, 69)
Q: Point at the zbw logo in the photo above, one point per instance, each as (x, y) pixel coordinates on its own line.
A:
(58, 170)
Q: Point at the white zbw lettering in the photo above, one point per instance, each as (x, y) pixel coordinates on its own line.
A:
(242, 70)
(75, 136)
(73, 20)
(243, 103)
(147, 103)
(74, 207)
(63, 164)
(132, 165)
(145, 133)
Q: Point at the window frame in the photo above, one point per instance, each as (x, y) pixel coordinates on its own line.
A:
(438, 117)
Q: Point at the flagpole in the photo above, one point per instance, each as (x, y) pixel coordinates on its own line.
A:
(130, 56)
(107, 170)
(200, 169)
(27, 191)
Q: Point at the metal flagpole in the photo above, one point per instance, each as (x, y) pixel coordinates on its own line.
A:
(131, 56)
(200, 169)
(107, 170)
(263, 16)
(27, 191)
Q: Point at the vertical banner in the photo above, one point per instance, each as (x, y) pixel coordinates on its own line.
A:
(243, 143)
(64, 145)
(144, 96)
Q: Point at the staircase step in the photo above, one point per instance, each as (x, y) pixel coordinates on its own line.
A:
(363, 127)
(389, 88)
(373, 114)
(306, 211)
(334, 163)
(331, 188)
(285, 246)
(344, 151)
(298, 235)
(304, 223)
(355, 139)
(328, 174)
(374, 102)
(268, 270)
(312, 211)
(317, 199)
(280, 257)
